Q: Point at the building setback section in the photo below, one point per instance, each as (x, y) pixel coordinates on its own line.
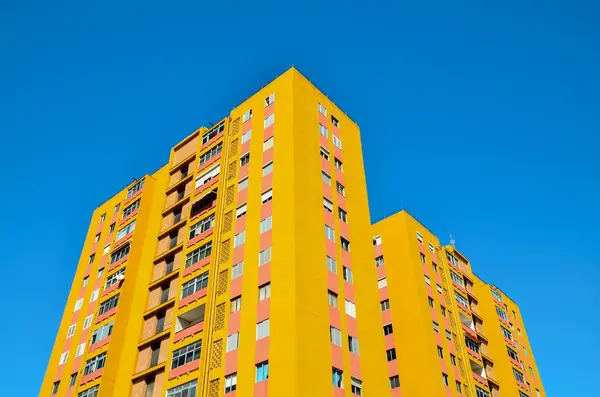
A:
(248, 266)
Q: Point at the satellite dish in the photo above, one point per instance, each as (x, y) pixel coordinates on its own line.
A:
(120, 277)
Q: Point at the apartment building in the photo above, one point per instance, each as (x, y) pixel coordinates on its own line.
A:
(244, 266)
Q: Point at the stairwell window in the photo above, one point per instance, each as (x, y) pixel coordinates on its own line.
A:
(247, 116)
(194, 285)
(335, 336)
(337, 142)
(269, 121)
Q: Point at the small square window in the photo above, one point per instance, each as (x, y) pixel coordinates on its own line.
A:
(338, 164)
(394, 382)
(335, 121)
(245, 159)
(267, 169)
(385, 305)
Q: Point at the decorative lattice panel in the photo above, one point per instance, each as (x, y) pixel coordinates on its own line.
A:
(219, 317)
(230, 195)
(227, 222)
(222, 282)
(216, 356)
(233, 148)
(231, 171)
(214, 388)
(225, 251)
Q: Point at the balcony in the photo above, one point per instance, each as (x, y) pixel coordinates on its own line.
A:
(202, 205)
(189, 323)
(478, 373)
(468, 325)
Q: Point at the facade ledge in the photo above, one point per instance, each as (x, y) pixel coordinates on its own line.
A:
(128, 217)
(180, 182)
(154, 337)
(153, 310)
(175, 205)
(184, 369)
(159, 257)
(149, 371)
(175, 167)
(493, 381)
(173, 274)
(188, 332)
(172, 227)
(133, 196)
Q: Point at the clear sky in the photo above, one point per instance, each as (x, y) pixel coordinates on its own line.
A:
(482, 120)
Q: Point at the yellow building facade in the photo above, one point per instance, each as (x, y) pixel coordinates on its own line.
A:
(246, 267)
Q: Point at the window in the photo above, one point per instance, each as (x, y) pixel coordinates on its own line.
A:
(431, 247)
(438, 288)
(323, 131)
(388, 329)
(97, 237)
(91, 392)
(262, 371)
(337, 142)
(94, 295)
(340, 188)
(518, 376)
(379, 261)
(233, 341)
(264, 291)
(335, 336)
(266, 224)
(336, 377)
(356, 386)
(236, 270)
(102, 333)
(94, 364)
(472, 345)
(213, 152)
(202, 226)
(338, 164)
(391, 354)
(230, 382)
(246, 136)
(213, 132)
(242, 184)
(91, 259)
(186, 354)
(262, 329)
(419, 237)
(332, 299)
(322, 110)
(88, 321)
(108, 304)
(107, 248)
(100, 272)
(394, 382)
(443, 309)
(331, 265)
(385, 305)
(63, 358)
(461, 299)
(427, 280)
(240, 211)
(267, 196)
(270, 99)
(382, 283)
(267, 169)
(448, 335)
(55, 388)
(194, 285)
(185, 390)
(353, 344)
(457, 279)
(85, 281)
(512, 354)
(119, 254)
(502, 314)
(440, 352)
(328, 205)
(245, 159)
(436, 327)
(507, 333)
(453, 359)
(208, 176)
(445, 379)
(269, 121)
(422, 256)
(434, 267)
(135, 188)
(71, 330)
(268, 144)
(239, 239)
(496, 295)
(481, 392)
(114, 278)
(430, 301)
(335, 121)
(130, 209)
(198, 254)
(347, 274)
(247, 116)
(78, 304)
(531, 371)
(73, 379)
(324, 153)
(329, 233)
(521, 394)
(377, 241)
(345, 244)
(102, 217)
(326, 178)
(514, 315)
(236, 304)
(350, 309)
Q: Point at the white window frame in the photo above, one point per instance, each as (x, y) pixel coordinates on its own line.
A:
(243, 184)
(78, 304)
(267, 168)
(327, 204)
(246, 136)
(331, 264)
(382, 282)
(269, 121)
(233, 342)
(264, 256)
(268, 144)
(350, 308)
(322, 110)
(247, 115)
(71, 330)
(329, 233)
(63, 358)
(237, 270)
(264, 292)
(241, 211)
(239, 239)
(266, 196)
(270, 99)
(88, 321)
(326, 177)
(335, 336)
(337, 141)
(207, 176)
(266, 224)
(94, 295)
(263, 329)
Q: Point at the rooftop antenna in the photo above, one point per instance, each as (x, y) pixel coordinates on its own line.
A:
(452, 242)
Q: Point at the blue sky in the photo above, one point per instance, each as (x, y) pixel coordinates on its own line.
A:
(481, 120)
